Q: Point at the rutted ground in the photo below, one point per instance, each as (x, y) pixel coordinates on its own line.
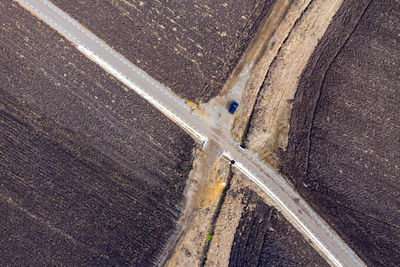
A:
(282, 32)
(342, 148)
(191, 46)
(258, 58)
(269, 125)
(100, 114)
(225, 226)
(91, 174)
(133, 246)
(343, 153)
(209, 175)
(250, 232)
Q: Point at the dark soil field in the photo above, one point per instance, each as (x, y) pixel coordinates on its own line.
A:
(190, 46)
(265, 238)
(90, 174)
(344, 145)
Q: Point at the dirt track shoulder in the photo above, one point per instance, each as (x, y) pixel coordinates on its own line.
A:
(250, 232)
(259, 56)
(269, 124)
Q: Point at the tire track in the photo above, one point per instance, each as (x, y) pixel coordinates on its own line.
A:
(322, 84)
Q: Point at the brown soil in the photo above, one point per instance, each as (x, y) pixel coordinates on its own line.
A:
(250, 232)
(90, 173)
(343, 151)
(209, 177)
(265, 238)
(257, 59)
(191, 47)
(225, 227)
(269, 124)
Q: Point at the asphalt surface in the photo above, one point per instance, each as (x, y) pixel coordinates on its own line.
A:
(287, 200)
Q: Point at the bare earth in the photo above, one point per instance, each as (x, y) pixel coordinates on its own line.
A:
(90, 173)
(259, 57)
(269, 125)
(228, 221)
(191, 47)
(343, 151)
(318, 99)
(250, 232)
(282, 32)
(206, 181)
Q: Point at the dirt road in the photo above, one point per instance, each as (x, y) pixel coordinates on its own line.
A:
(287, 200)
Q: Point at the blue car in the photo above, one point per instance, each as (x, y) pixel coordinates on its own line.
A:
(233, 107)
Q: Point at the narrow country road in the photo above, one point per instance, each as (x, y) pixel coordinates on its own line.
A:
(295, 209)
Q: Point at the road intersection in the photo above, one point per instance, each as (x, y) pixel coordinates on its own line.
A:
(287, 200)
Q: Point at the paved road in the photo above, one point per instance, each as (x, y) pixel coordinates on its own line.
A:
(287, 200)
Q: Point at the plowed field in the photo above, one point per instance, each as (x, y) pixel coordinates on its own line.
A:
(190, 46)
(265, 238)
(90, 174)
(344, 143)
